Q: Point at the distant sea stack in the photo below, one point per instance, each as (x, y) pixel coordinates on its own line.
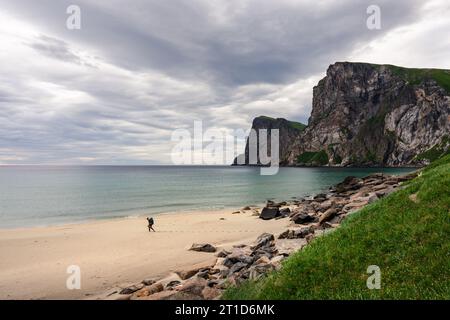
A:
(369, 115)
(288, 132)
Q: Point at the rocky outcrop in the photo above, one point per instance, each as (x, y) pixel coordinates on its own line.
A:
(288, 132)
(373, 115)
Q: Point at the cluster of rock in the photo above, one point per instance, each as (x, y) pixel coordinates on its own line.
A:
(232, 267)
(311, 217)
(329, 209)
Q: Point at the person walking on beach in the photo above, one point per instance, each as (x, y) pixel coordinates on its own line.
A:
(151, 222)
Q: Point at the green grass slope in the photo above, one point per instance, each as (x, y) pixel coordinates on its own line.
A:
(409, 240)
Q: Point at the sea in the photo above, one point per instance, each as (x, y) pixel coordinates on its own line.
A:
(54, 195)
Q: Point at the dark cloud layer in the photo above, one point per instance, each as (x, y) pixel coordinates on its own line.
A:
(116, 89)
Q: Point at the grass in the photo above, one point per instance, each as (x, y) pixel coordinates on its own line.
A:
(313, 158)
(297, 125)
(408, 240)
(293, 124)
(417, 76)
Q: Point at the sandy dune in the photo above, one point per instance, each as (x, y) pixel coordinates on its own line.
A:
(34, 261)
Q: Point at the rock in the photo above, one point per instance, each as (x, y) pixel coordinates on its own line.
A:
(238, 255)
(237, 267)
(223, 253)
(349, 183)
(373, 198)
(255, 212)
(262, 260)
(185, 296)
(327, 215)
(236, 212)
(269, 213)
(118, 297)
(246, 208)
(337, 219)
(148, 282)
(173, 295)
(276, 261)
(320, 197)
(286, 247)
(296, 233)
(172, 284)
(203, 273)
(302, 218)
(149, 290)
(327, 225)
(169, 281)
(285, 212)
(262, 240)
(354, 206)
(257, 271)
(209, 293)
(384, 192)
(303, 232)
(193, 286)
(132, 289)
(203, 247)
(220, 267)
(285, 235)
(309, 237)
(324, 206)
(186, 274)
(163, 295)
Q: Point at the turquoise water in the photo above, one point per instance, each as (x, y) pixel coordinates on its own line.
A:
(43, 195)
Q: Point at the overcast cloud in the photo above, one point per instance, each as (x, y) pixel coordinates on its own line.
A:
(114, 91)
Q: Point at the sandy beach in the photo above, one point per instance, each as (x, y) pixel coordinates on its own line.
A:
(34, 261)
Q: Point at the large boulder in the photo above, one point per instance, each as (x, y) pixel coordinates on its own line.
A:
(193, 286)
(269, 213)
(262, 240)
(237, 267)
(327, 215)
(238, 255)
(149, 290)
(349, 183)
(302, 218)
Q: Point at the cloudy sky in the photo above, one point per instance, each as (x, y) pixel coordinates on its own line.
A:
(114, 91)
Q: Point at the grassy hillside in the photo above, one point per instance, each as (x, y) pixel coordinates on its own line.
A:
(293, 124)
(416, 76)
(406, 234)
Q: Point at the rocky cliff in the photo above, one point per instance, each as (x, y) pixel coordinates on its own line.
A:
(288, 132)
(374, 115)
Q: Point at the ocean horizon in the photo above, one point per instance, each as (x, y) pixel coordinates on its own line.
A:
(44, 195)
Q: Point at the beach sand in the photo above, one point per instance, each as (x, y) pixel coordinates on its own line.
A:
(34, 261)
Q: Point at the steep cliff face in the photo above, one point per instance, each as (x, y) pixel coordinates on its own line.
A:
(288, 132)
(365, 114)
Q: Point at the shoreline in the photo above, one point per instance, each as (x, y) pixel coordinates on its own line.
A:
(109, 218)
(115, 252)
(310, 218)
